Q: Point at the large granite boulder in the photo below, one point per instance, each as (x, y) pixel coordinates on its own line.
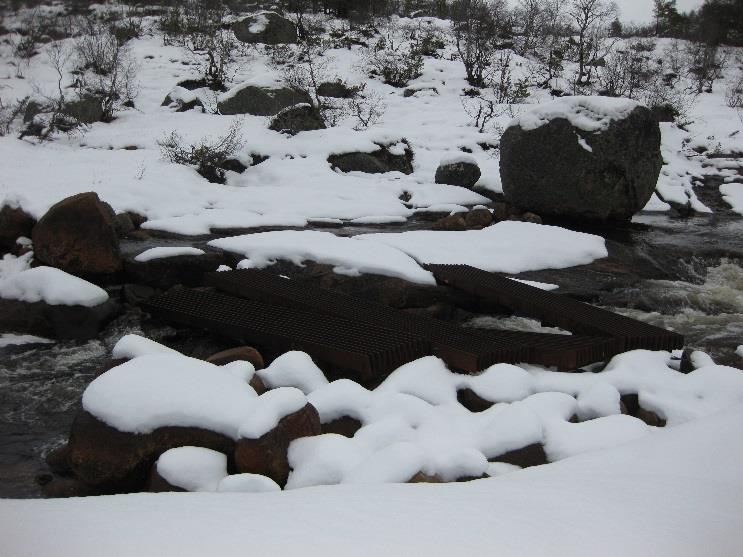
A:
(14, 223)
(78, 235)
(260, 101)
(266, 28)
(583, 158)
(165, 272)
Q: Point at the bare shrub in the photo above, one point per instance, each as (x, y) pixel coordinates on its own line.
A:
(626, 71)
(9, 113)
(207, 156)
(367, 107)
(704, 64)
(395, 57)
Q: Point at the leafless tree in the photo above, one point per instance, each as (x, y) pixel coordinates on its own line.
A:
(591, 19)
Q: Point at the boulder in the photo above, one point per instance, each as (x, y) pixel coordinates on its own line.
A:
(530, 455)
(585, 158)
(260, 101)
(181, 99)
(240, 353)
(56, 321)
(165, 272)
(267, 455)
(14, 223)
(345, 425)
(266, 28)
(388, 158)
(124, 225)
(451, 223)
(336, 90)
(105, 458)
(78, 235)
(478, 218)
(297, 118)
(462, 171)
(86, 110)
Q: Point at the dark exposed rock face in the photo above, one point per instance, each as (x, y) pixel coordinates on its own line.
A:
(240, 353)
(464, 174)
(267, 455)
(336, 90)
(298, 118)
(165, 272)
(78, 235)
(261, 101)
(14, 223)
(377, 162)
(266, 28)
(530, 455)
(345, 425)
(562, 171)
(106, 458)
(55, 321)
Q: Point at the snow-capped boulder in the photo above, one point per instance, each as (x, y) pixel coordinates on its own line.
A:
(163, 267)
(260, 101)
(78, 235)
(181, 99)
(298, 118)
(47, 302)
(188, 469)
(266, 28)
(14, 223)
(594, 158)
(461, 170)
(240, 353)
(397, 157)
(280, 417)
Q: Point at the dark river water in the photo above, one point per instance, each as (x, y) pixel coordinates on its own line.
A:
(684, 275)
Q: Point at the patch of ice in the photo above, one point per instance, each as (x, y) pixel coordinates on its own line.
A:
(10, 339)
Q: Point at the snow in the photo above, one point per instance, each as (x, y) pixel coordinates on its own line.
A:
(192, 468)
(132, 346)
(733, 194)
(589, 114)
(159, 390)
(349, 255)
(10, 339)
(565, 439)
(660, 495)
(163, 252)
(268, 409)
(51, 286)
(293, 369)
(247, 483)
(458, 158)
(598, 401)
(505, 247)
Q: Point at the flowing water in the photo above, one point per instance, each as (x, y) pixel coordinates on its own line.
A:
(689, 278)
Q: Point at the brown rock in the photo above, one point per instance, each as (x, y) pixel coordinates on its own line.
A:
(472, 401)
(106, 458)
(240, 353)
(421, 478)
(531, 455)
(531, 217)
(58, 460)
(345, 425)
(500, 211)
(478, 218)
(267, 455)
(650, 418)
(451, 223)
(66, 487)
(14, 223)
(78, 235)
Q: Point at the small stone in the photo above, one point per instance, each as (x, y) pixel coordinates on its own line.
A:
(239, 353)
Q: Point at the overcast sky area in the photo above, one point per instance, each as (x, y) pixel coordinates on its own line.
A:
(641, 11)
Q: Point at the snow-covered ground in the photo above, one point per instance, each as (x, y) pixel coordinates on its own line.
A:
(677, 492)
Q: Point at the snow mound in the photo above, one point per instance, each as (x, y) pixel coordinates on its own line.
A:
(350, 256)
(247, 483)
(268, 409)
(159, 390)
(163, 252)
(458, 158)
(193, 468)
(51, 286)
(293, 369)
(590, 114)
(132, 346)
(505, 247)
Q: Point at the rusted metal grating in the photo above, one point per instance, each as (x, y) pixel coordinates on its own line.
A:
(463, 349)
(556, 309)
(368, 352)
